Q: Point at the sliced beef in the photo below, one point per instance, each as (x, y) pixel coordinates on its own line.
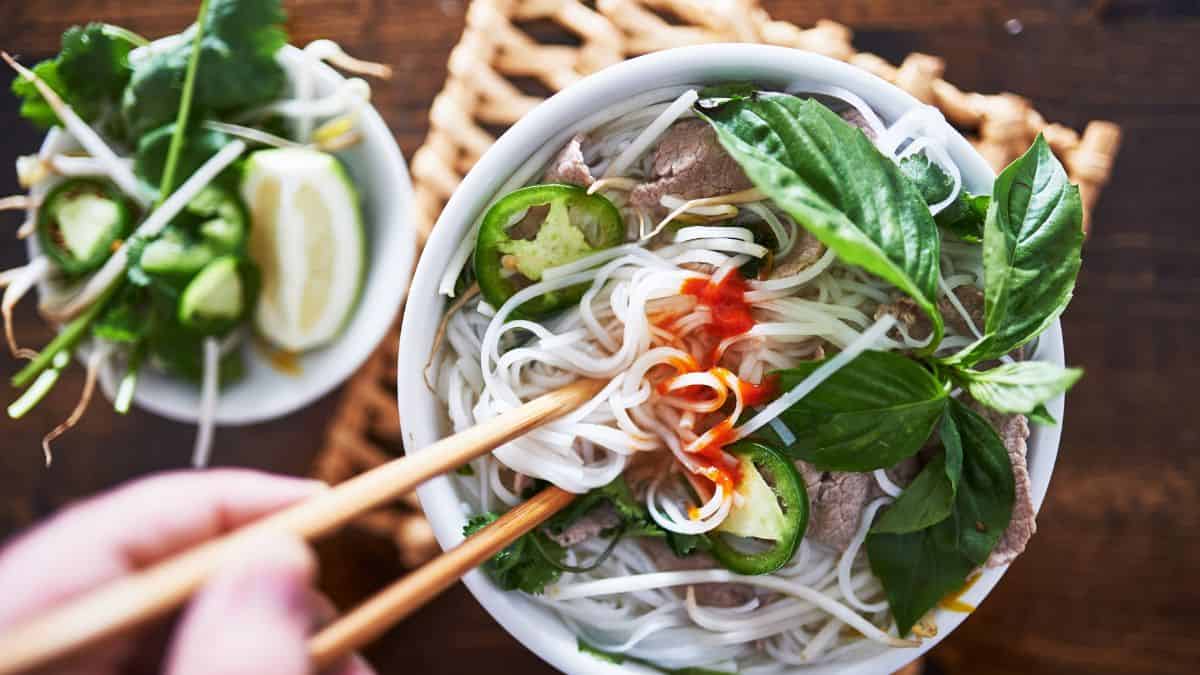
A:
(569, 167)
(601, 518)
(971, 299)
(1014, 432)
(689, 163)
(709, 595)
(836, 501)
(907, 312)
(856, 119)
(804, 253)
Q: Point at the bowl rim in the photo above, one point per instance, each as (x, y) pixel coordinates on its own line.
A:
(424, 416)
(373, 331)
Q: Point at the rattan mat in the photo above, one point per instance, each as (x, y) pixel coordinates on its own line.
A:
(496, 73)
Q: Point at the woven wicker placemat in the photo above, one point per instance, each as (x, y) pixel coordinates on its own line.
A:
(498, 69)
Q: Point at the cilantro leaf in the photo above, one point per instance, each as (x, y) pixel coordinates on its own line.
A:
(237, 66)
(90, 74)
(525, 565)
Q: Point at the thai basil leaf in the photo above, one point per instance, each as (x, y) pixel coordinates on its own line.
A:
(1039, 415)
(237, 67)
(829, 177)
(929, 499)
(1019, 387)
(965, 215)
(877, 410)
(1031, 253)
(919, 568)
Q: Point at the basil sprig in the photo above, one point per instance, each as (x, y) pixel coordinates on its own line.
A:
(920, 563)
(834, 182)
(1020, 387)
(883, 407)
(1031, 253)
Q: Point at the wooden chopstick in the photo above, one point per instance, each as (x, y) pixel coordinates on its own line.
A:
(386, 608)
(141, 597)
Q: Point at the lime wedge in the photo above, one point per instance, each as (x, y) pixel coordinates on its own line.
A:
(306, 234)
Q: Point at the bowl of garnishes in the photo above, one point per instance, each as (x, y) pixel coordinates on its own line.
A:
(217, 221)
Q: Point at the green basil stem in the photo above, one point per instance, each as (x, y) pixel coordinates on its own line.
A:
(66, 339)
(40, 387)
(128, 384)
(185, 105)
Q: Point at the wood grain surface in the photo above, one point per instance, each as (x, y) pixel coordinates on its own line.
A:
(1106, 586)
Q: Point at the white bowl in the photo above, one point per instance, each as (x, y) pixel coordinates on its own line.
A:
(548, 126)
(265, 392)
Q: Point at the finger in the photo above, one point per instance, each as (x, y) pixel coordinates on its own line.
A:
(110, 535)
(254, 617)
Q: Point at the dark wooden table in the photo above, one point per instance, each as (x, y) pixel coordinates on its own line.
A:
(1107, 586)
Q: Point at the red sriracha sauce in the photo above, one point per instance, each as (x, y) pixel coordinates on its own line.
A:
(727, 302)
(754, 395)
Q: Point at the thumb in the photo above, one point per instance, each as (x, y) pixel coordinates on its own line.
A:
(254, 617)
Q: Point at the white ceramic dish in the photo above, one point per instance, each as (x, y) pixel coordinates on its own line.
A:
(548, 126)
(382, 181)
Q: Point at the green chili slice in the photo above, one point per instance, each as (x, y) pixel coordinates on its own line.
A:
(761, 556)
(79, 222)
(534, 229)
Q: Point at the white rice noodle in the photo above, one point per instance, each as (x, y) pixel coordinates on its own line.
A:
(208, 403)
(846, 562)
(114, 267)
(612, 586)
(958, 307)
(885, 484)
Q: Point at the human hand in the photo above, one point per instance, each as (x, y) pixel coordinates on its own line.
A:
(253, 617)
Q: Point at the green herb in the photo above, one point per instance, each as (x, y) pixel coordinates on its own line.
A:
(524, 565)
(829, 177)
(729, 90)
(1020, 387)
(171, 164)
(683, 545)
(237, 66)
(929, 499)
(465, 470)
(1031, 253)
(877, 410)
(90, 73)
(65, 341)
(635, 520)
(964, 215)
(153, 152)
(919, 568)
(1039, 415)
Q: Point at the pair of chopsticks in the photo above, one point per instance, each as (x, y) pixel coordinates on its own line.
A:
(132, 601)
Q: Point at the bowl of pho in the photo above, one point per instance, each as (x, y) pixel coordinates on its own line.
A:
(829, 336)
(217, 220)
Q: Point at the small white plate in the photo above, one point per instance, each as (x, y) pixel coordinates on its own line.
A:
(264, 393)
